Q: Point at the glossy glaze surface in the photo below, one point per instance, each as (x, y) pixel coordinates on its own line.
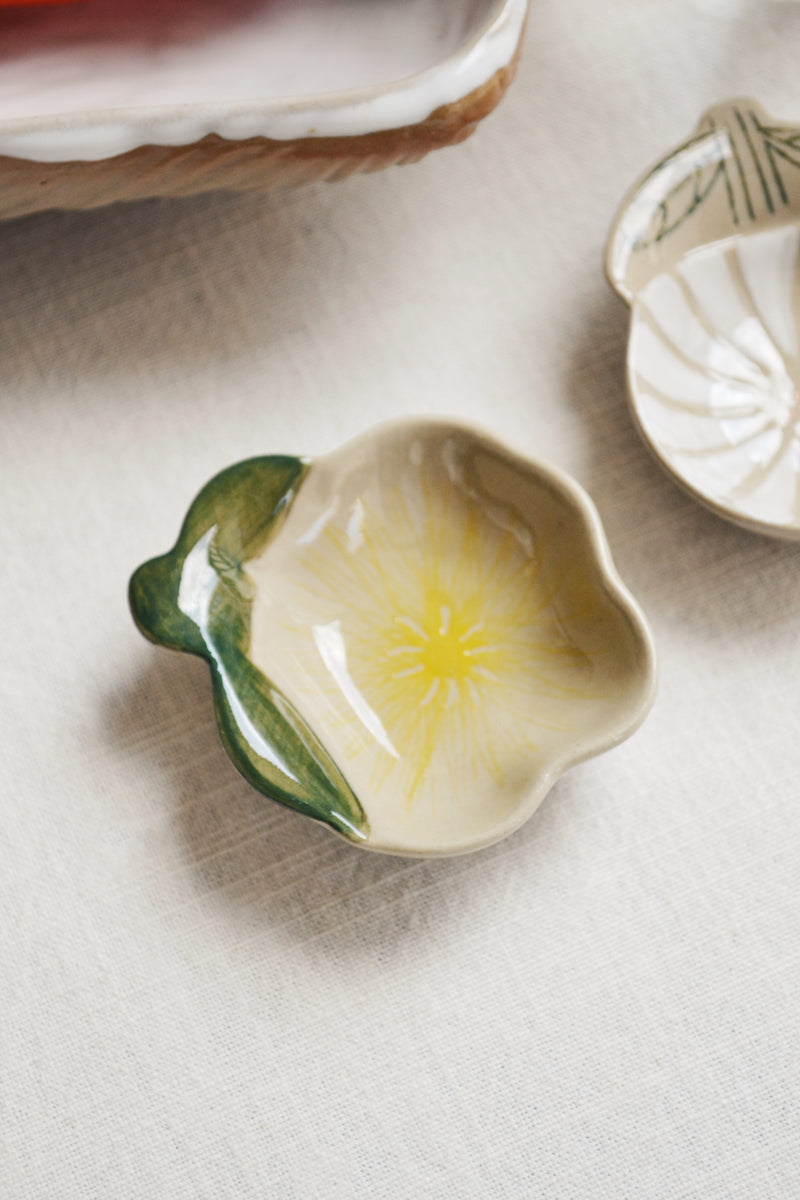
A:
(96, 79)
(426, 620)
(705, 251)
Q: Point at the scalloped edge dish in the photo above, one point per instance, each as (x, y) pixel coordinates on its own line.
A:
(706, 252)
(224, 121)
(410, 638)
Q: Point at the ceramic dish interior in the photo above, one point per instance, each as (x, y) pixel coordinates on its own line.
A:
(410, 639)
(705, 251)
(95, 79)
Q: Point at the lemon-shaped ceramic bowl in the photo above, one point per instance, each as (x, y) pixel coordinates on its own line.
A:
(706, 251)
(410, 639)
(105, 100)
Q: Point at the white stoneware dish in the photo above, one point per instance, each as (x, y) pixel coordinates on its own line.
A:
(111, 99)
(410, 639)
(705, 251)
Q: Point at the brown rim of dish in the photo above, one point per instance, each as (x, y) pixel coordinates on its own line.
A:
(217, 163)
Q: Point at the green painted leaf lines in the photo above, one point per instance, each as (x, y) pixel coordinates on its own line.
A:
(739, 153)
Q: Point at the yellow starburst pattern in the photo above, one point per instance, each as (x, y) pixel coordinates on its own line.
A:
(446, 662)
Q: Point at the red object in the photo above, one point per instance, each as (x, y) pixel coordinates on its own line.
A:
(29, 3)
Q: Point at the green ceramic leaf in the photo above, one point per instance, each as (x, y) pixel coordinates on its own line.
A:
(197, 598)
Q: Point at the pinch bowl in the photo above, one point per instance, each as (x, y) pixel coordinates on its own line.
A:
(706, 252)
(410, 638)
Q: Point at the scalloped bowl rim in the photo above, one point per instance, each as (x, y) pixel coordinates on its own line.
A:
(574, 495)
(628, 709)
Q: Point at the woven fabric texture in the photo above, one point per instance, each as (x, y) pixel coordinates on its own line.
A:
(206, 997)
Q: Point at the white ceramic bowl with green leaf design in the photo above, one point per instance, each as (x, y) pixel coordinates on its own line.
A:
(410, 639)
(705, 250)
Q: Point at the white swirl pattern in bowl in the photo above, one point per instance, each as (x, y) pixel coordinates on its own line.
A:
(705, 251)
(713, 365)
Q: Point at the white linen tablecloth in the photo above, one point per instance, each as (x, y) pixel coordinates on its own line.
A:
(206, 996)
